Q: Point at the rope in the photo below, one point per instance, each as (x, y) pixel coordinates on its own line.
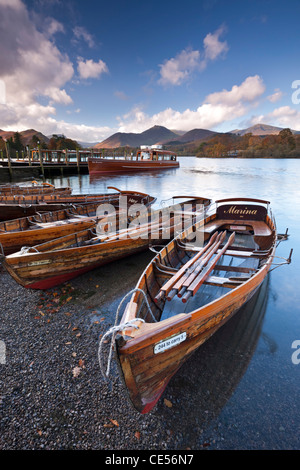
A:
(25, 249)
(117, 328)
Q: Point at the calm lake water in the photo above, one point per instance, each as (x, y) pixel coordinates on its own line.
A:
(244, 382)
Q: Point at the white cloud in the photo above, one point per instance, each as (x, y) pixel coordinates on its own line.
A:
(251, 88)
(78, 132)
(284, 116)
(217, 108)
(54, 27)
(32, 67)
(90, 69)
(176, 70)
(213, 47)
(276, 96)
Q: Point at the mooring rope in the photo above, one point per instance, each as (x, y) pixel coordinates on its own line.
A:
(117, 328)
(25, 249)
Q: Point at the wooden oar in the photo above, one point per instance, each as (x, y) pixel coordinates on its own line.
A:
(221, 237)
(192, 289)
(165, 289)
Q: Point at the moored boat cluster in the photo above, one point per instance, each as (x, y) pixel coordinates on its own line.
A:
(210, 258)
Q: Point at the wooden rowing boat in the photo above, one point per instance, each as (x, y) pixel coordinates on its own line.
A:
(188, 291)
(146, 159)
(42, 227)
(59, 260)
(16, 206)
(61, 198)
(16, 211)
(34, 188)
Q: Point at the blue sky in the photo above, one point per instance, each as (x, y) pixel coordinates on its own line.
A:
(88, 69)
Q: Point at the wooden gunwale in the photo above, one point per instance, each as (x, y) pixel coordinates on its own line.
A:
(28, 231)
(59, 257)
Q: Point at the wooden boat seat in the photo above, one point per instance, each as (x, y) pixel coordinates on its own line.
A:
(259, 227)
(230, 282)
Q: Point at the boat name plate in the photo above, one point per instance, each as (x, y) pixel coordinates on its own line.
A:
(238, 227)
(37, 263)
(169, 342)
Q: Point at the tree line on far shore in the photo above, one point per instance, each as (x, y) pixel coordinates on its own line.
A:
(56, 142)
(284, 144)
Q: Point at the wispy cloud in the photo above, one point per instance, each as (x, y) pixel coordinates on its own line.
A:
(276, 96)
(178, 69)
(81, 33)
(121, 95)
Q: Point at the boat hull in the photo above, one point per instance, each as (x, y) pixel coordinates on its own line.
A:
(150, 355)
(146, 374)
(52, 268)
(46, 265)
(14, 241)
(103, 166)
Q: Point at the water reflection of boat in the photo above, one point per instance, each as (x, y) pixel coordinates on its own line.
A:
(201, 389)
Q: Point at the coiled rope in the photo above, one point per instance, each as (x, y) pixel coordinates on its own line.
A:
(117, 328)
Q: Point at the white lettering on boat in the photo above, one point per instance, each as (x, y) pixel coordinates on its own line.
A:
(169, 343)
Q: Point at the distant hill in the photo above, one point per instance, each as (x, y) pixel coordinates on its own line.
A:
(261, 129)
(26, 136)
(154, 135)
(176, 140)
(195, 135)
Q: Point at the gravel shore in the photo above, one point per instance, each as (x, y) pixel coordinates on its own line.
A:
(53, 396)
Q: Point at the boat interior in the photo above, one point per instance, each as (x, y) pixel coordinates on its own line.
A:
(46, 219)
(186, 275)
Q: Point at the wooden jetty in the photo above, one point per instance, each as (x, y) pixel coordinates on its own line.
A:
(45, 163)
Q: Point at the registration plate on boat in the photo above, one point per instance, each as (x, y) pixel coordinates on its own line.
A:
(169, 343)
(238, 227)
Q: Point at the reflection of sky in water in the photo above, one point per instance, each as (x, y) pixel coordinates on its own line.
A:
(277, 181)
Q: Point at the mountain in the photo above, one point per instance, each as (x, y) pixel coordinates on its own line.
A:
(86, 145)
(26, 136)
(261, 129)
(154, 135)
(195, 135)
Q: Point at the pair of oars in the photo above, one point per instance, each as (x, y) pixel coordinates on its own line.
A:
(191, 276)
(175, 282)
